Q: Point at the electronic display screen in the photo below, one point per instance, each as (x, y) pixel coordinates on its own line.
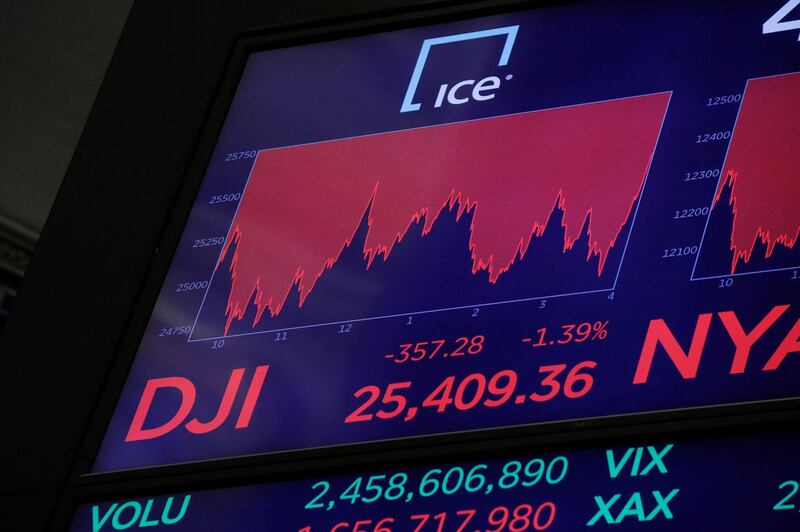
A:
(744, 483)
(565, 213)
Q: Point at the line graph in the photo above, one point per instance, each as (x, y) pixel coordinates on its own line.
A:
(754, 222)
(468, 214)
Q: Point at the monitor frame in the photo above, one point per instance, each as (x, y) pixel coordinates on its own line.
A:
(83, 486)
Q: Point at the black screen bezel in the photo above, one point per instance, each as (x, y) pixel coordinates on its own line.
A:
(85, 486)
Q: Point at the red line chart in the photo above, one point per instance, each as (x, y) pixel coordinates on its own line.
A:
(303, 204)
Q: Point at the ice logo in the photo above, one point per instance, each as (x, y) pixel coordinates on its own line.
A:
(482, 90)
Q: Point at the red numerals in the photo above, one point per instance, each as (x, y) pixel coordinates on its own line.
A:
(389, 397)
(392, 397)
(501, 387)
(472, 346)
(437, 348)
(473, 390)
(570, 333)
(522, 517)
(500, 519)
(440, 397)
(576, 384)
(440, 519)
(519, 518)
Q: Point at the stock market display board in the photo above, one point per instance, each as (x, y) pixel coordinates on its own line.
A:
(567, 213)
(738, 483)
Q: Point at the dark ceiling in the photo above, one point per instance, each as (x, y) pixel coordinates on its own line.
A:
(53, 55)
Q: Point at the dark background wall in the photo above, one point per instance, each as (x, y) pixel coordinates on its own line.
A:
(52, 59)
(53, 56)
(110, 212)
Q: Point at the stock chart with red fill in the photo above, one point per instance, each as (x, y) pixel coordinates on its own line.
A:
(760, 186)
(303, 205)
